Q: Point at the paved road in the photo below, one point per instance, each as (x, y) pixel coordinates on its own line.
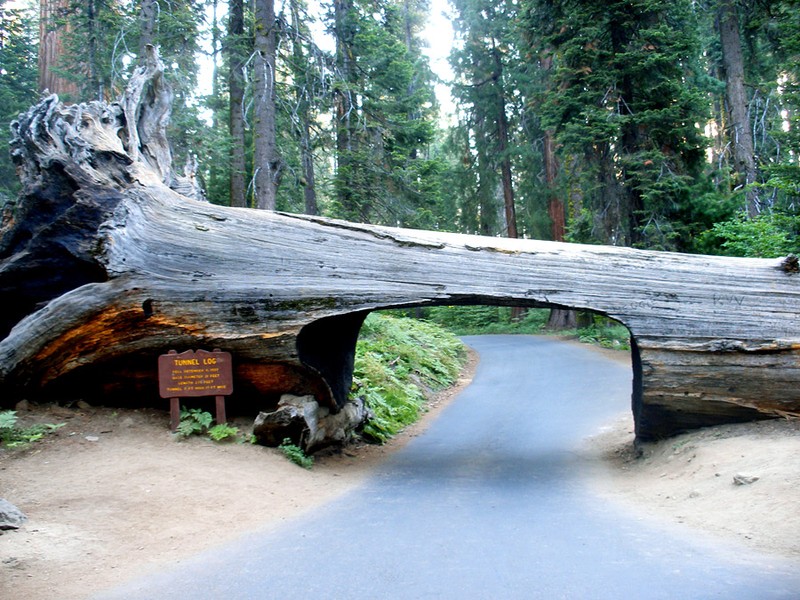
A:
(488, 504)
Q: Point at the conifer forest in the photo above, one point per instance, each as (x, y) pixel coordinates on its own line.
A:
(669, 125)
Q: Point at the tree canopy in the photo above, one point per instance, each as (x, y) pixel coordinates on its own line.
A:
(667, 125)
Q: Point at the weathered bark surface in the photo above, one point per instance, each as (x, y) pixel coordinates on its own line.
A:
(104, 267)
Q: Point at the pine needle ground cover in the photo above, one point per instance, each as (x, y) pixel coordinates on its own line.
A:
(399, 361)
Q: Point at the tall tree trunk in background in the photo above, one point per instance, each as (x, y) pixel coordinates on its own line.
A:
(343, 105)
(408, 31)
(148, 12)
(487, 189)
(236, 60)
(95, 82)
(216, 170)
(505, 170)
(559, 318)
(502, 147)
(506, 177)
(267, 163)
(51, 49)
(307, 158)
(555, 206)
(740, 133)
(630, 223)
(303, 124)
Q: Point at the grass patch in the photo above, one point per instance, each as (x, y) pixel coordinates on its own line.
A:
(398, 360)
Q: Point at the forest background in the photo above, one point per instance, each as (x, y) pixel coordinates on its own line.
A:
(670, 125)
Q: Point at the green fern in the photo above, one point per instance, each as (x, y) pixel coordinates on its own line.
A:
(223, 432)
(12, 436)
(398, 360)
(295, 454)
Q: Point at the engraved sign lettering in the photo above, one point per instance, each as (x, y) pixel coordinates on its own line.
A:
(191, 374)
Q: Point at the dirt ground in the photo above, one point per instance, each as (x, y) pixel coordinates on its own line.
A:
(112, 495)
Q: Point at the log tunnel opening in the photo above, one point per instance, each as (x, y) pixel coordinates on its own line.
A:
(328, 346)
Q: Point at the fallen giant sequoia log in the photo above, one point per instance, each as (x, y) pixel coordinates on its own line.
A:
(107, 263)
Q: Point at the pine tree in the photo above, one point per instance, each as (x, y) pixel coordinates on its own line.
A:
(384, 113)
(18, 82)
(623, 103)
(482, 67)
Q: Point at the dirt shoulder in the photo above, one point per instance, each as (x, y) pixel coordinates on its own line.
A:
(689, 479)
(113, 495)
(739, 482)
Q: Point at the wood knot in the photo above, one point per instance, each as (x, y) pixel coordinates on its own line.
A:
(791, 264)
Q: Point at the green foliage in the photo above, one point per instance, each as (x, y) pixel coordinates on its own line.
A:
(13, 436)
(624, 107)
(613, 336)
(767, 236)
(471, 320)
(295, 454)
(90, 31)
(18, 82)
(195, 421)
(480, 320)
(397, 360)
(222, 432)
(8, 420)
(387, 112)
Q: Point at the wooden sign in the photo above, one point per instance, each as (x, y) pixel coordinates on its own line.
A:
(194, 374)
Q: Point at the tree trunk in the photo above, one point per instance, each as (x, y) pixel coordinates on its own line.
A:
(505, 171)
(302, 97)
(345, 107)
(103, 267)
(51, 49)
(555, 206)
(267, 162)
(148, 11)
(559, 318)
(309, 174)
(741, 135)
(236, 60)
(95, 80)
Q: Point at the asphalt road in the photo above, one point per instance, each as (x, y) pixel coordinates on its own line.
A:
(490, 503)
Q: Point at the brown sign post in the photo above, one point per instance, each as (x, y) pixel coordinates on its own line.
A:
(195, 374)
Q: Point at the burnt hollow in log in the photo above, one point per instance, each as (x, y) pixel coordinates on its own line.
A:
(329, 347)
(109, 260)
